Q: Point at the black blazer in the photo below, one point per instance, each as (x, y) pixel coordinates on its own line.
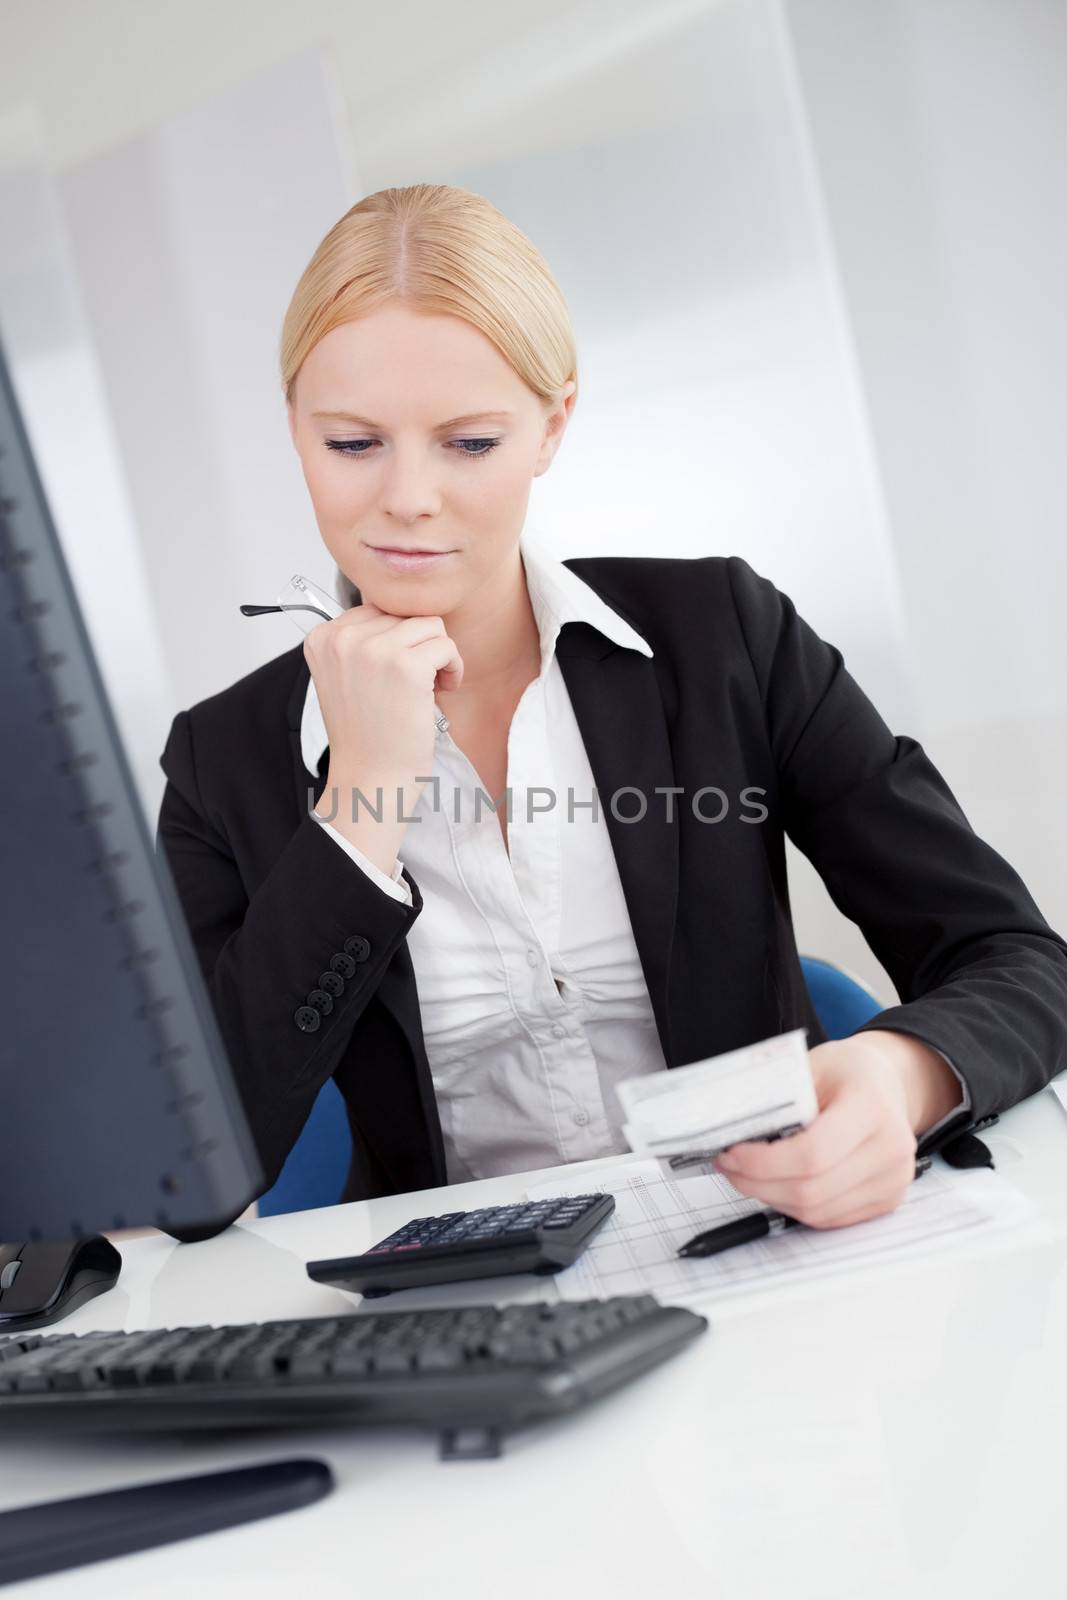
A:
(742, 695)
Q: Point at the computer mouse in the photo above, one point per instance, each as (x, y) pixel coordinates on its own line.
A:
(45, 1280)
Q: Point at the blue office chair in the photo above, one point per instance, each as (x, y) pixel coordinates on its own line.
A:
(316, 1167)
(843, 1002)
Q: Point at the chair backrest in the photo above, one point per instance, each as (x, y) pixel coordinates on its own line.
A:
(316, 1167)
(842, 1001)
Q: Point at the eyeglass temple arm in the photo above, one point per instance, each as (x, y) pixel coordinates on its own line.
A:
(259, 611)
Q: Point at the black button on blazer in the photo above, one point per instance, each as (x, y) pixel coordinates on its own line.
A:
(742, 697)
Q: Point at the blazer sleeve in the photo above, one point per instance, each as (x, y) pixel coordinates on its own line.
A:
(262, 956)
(980, 974)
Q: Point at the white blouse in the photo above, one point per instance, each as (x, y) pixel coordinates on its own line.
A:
(532, 997)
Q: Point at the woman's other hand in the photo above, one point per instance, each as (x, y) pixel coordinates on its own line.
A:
(876, 1091)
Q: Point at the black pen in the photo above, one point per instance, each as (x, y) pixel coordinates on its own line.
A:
(757, 1225)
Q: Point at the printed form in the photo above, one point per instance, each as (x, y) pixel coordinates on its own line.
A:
(656, 1212)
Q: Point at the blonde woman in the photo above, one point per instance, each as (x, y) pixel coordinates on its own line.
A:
(511, 829)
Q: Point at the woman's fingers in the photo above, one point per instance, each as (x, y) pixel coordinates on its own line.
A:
(860, 1204)
(847, 1120)
(360, 626)
(859, 1149)
(841, 1194)
(815, 1189)
(366, 621)
(441, 656)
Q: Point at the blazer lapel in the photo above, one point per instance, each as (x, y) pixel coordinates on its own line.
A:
(619, 708)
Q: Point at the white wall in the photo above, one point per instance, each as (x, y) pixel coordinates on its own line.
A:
(940, 128)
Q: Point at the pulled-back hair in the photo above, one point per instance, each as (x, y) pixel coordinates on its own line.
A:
(443, 250)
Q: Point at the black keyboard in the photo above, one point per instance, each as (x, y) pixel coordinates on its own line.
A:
(529, 1236)
(472, 1372)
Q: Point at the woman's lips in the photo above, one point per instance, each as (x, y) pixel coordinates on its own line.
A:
(409, 560)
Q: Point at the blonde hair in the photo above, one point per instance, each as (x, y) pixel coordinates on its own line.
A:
(439, 250)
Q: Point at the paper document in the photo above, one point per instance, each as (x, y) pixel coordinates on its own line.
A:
(758, 1091)
(634, 1252)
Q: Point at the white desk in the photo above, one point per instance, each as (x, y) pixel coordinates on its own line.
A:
(904, 1441)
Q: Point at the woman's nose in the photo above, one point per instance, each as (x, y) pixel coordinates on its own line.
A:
(408, 487)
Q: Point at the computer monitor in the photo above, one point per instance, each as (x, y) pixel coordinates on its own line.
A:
(117, 1104)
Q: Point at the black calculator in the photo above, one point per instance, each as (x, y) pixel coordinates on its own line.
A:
(529, 1236)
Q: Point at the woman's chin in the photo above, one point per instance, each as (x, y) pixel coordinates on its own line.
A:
(408, 596)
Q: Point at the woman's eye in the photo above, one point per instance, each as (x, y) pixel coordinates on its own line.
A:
(490, 446)
(355, 447)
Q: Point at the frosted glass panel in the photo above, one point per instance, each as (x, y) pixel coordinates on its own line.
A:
(64, 407)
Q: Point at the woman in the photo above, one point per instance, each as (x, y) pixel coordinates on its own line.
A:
(477, 981)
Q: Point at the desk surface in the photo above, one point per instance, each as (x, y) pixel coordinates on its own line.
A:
(902, 1440)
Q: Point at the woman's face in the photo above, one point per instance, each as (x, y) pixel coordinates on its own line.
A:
(389, 469)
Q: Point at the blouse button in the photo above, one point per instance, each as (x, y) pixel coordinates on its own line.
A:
(559, 1031)
(532, 958)
(580, 1118)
